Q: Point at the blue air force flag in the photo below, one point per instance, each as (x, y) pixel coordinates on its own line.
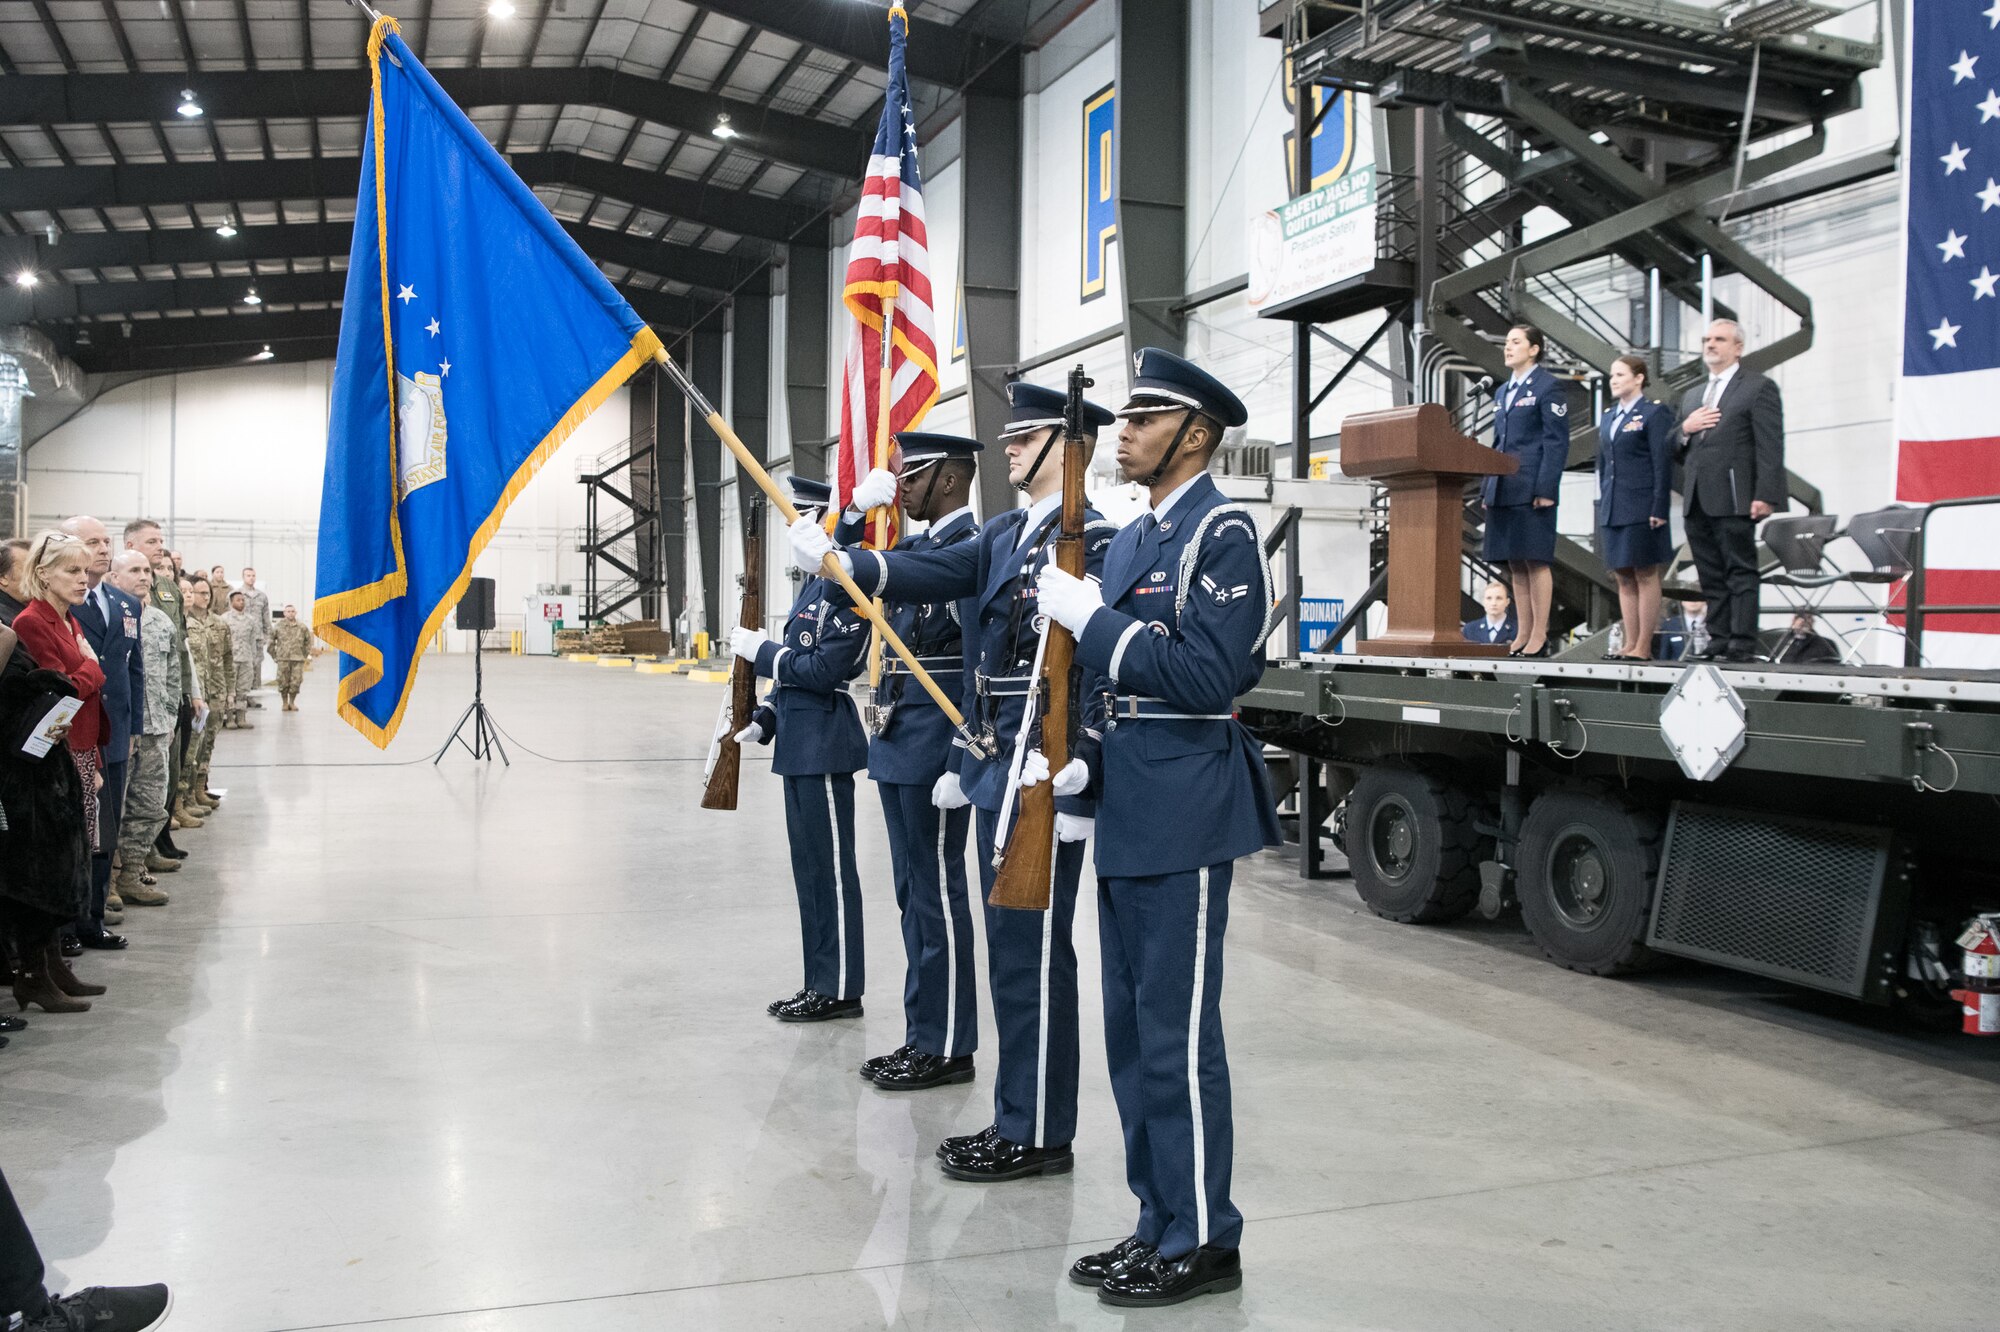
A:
(474, 337)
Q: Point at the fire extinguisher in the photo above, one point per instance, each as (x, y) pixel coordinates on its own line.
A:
(1981, 975)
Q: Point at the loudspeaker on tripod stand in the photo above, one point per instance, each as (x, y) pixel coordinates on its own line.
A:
(475, 608)
(475, 612)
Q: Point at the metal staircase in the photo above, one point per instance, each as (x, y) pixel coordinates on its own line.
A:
(1636, 123)
(620, 540)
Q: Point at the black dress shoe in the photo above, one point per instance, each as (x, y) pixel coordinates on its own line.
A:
(8, 1022)
(108, 941)
(921, 1070)
(164, 844)
(870, 1067)
(815, 1007)
(959, 1146)
(71, 946)
(776, 1004)
(1710, 653)
(1158, 1280)
(1000, 1159)
(1092, 1268)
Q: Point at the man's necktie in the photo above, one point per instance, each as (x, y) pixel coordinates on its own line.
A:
(1708, 399)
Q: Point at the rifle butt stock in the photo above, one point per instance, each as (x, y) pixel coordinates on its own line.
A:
(1028, 869)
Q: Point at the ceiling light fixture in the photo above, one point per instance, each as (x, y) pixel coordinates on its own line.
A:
(251, 297)
(27, 277)
(723, 129)
(500, 9)
(226, 228)
(188, 107)
(264, 355)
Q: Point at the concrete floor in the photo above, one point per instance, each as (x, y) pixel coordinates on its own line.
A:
(471, 1049)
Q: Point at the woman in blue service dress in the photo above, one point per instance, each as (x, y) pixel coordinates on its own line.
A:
(1530, 422)
(1635, 490)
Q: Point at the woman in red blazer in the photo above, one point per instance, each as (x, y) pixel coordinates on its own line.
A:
(55, 571)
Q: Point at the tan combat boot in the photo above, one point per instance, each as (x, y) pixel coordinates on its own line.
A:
(160, 864)
(185, 816)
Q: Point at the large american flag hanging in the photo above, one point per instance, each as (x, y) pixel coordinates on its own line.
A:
(888, 266)
(1948, 397)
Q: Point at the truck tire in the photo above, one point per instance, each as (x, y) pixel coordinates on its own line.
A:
(1585, 869)
(1411, 846)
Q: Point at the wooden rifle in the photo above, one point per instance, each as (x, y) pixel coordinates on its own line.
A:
(1027, 864)
(726, 763)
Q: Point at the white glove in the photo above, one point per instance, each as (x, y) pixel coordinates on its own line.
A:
(948, 794)
(747, 643)
(810, 543)
(1072, 779)
(877, 490)
(1068, 600)
(753, 734)
(1073, 827)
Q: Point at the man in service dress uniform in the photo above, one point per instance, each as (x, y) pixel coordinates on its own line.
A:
(908, 755)
(1030, 957)
(820, 746)
(1174, 634)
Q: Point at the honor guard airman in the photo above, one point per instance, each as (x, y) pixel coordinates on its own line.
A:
(820, 745)
(1173, 635)
(1031, 958)
(909, 753)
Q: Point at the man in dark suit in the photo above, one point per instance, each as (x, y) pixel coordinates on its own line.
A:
(1498, 624)
(1732, 445)
(110, 621)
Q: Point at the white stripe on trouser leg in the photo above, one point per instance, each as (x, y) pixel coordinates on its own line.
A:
(950, 945)
(839, 896)
(1048, 949)
(1194, 1057)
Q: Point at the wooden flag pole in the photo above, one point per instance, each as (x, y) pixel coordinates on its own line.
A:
(830, 566)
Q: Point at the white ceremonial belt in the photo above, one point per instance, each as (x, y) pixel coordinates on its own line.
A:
(1137, 707)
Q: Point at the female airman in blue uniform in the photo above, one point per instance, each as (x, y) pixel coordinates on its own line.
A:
(1635, 493)
(1530, 423)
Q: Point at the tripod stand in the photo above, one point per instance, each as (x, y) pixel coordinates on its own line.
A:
(485, 742)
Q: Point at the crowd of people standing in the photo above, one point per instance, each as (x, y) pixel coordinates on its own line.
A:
(117, 672)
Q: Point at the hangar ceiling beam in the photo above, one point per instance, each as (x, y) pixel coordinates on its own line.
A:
(937, 53)
(63, 99)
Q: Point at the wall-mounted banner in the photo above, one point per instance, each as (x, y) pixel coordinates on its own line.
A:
(958, 326)
(1100, 163)
(1332, 138)
(1313, 242)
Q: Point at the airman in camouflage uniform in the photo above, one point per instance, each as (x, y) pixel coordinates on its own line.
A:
(244, 659)
(258, 602)
(291, 644)
(208, 643)
(146, 784)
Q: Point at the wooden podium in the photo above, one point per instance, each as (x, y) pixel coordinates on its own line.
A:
(1425, 463)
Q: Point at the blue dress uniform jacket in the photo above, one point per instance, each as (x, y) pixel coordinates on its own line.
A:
(1030, 955)
(116, 643)
(1530, 423)
(911, 750)
(914, 745)
(1190, 638)
(1182, 795)
(1635, 464)
(819, 746)
(993, 578)
(825, 641)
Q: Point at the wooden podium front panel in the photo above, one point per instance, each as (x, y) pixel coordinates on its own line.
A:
(1426, 517)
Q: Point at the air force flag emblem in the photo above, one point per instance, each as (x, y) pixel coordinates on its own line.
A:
(420, 430)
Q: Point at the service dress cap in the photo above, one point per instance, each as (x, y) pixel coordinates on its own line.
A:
(921, 447)
(809, 494)
(1036, 408)
(1162, 381)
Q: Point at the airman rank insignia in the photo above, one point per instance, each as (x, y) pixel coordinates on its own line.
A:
(1224, 595)
(1559, 408)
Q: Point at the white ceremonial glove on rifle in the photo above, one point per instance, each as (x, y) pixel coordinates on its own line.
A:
(877, 490)
(948, 794)
(1073, 827)
(1068, 600)
(753, 734)
(747, 643)
(810, 543)
(1072, 779)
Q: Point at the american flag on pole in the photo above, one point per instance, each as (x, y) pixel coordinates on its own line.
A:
(1948, 397)
(888, 268)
